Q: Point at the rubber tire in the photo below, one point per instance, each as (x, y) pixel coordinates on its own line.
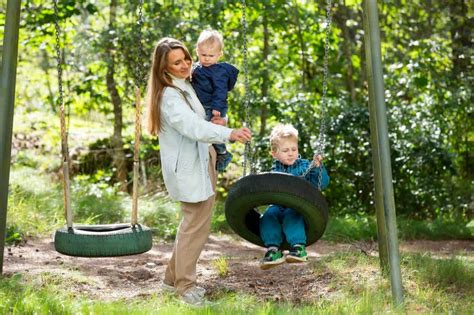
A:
(103, 240)
(274, 188)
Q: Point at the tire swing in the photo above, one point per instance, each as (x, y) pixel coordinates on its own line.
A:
(256, 190)
(106, 239)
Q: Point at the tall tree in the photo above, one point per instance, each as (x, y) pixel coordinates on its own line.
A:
(341, 19)
(461, 79)
(117, 142)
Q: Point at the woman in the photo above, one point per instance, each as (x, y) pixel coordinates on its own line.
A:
(187, 157)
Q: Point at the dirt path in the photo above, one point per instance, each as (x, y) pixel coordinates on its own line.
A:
(140, 275)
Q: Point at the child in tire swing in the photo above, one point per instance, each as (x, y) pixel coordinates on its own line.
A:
(279, 222)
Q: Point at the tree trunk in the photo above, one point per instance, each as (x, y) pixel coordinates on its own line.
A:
(460, 37)
(117, 143)
(341, 20)
(299, 32)
(45, 66)
(460, 30)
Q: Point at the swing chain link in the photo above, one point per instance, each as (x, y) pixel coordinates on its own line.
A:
(138, 64)
(248, 159)
(64, 134)
(59, 59)
(321, 142)
(138, 83)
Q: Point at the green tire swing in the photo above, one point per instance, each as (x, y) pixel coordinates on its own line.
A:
(106, 239)
(253, 191)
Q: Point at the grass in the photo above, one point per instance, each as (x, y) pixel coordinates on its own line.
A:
(432, 284)
(355, 227)
(354, 286)
(221, 265)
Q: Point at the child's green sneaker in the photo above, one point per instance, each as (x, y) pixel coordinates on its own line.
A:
(273, 257)
(297, 254)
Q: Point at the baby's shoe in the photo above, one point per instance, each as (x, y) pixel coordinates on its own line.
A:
(297, 254)
(273, 257)
(223, 160)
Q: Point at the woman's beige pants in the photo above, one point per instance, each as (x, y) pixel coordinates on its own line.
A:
(193, 232)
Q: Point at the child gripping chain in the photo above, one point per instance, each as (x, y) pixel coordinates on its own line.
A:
(212, 80)
(279, 222)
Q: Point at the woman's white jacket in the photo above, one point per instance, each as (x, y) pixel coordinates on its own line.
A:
(184, 144)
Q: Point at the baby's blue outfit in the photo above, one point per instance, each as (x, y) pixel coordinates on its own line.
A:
(212, 85)
(279, 222)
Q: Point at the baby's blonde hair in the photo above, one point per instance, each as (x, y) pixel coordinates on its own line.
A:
(210, 37)
(282, 131)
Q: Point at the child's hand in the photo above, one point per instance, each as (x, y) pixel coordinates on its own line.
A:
(217, 119)
(317, 160)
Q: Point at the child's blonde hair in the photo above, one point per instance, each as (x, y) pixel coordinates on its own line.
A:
(282, 131)
(210, 37)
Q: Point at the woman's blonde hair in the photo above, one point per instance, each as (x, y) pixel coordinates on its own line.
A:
(159, 79)
(282, 131)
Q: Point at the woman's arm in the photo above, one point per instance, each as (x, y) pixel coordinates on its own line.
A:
(184, 120)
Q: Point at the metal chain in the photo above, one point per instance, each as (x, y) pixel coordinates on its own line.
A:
(321, 142)
(248, 159)
(139, 64)
(322, 131)
(64, 136)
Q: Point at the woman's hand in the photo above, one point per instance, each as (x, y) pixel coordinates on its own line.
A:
(242, 135)
(317, 160)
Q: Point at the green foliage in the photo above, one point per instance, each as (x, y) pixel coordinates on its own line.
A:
(218, 221)
(20, 298)
(221, 265)
(160, 214)
(34, 205)
(350, 228)
(428, 74)
(437, 229)
(97, 160)
(361, 227)
(94, 201)
(13, 235)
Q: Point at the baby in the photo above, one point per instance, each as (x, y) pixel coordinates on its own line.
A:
(212, 80)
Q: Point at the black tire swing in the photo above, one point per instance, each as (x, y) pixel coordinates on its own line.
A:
(106, 239)
(256, 190)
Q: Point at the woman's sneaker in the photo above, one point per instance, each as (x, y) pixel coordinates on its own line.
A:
(171, 289)
(193, 297)
(297, 254)
(273, 257)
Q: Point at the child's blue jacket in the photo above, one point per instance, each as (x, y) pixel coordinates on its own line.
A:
(212, 84)
(299, 167)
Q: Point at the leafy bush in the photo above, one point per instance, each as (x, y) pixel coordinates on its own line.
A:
(95, 201)
(161, 215)
(13, 235)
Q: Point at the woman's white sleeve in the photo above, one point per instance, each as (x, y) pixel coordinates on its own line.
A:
(184, 120)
